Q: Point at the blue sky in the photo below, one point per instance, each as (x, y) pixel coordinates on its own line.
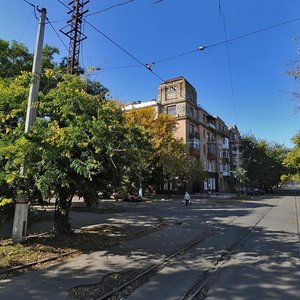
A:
(261, 102)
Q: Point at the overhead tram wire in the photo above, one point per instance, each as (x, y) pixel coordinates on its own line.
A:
(11, 67)
(228, 60)
(115, 5)
(214, 44)
(109, 8)
(50, 23)
(148, 67)
(65, 5)
(254, 32)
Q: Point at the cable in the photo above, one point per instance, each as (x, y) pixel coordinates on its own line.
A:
(213, 45)
(254, 32)
(82, 61)
(12, 66)
(228, 60)
(63, 4)
(148, 67)
(117, 45)
(108, 8)
(50, 23)
(34, 6)
(60, 20)
(176, 56)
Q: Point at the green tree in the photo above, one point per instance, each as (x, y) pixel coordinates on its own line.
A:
(158, 167)
(292, 160)
(14, 58)
(263, 161)
(76, 145)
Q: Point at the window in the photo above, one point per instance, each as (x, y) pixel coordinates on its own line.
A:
(196, 143)
(171, 89)
(191, 128)
(190, 95)
(171, 110)
(191, 112)
(210, 184)
(210, 167)
(171, 92)
(204, 149)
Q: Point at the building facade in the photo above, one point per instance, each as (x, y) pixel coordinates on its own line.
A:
(208, 137)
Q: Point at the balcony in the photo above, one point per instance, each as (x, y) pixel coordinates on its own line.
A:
(225, 156)
(195, 151)
(211, 125)
(211, 156)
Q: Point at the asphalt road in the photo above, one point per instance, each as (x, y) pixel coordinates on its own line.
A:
(265, 266)
(265, 263)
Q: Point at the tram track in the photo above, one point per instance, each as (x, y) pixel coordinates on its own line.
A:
(196, 288)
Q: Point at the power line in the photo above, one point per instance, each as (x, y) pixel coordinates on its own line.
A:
(212, 45)
(109, 8)
(117, 45)
(187, 52)
(34, 6)
(254, 32)
(50, 23)
(66, 6)
(148, 67)
(117, 5)
(228, 60)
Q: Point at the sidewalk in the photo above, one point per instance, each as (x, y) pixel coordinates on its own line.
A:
(80, 219)
(56, 282)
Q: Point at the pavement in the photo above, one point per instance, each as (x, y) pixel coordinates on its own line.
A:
(54, 282)
(184, 225)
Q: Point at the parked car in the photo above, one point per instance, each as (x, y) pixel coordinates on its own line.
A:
(255, 191)
(269, 189)
(259, 191)
(132, 197)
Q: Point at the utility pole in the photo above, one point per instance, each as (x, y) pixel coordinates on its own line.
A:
(21, 210)
(75, 33)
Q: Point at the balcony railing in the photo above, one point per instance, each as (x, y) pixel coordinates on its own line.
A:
(211, 125)
(195, 151)
(211, 156)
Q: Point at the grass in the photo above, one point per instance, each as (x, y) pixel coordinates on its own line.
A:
(50, 244)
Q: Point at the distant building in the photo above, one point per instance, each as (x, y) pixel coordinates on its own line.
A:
(208, 137)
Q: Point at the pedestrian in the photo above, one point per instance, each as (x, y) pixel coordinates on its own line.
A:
(187, 199)
(116, 196)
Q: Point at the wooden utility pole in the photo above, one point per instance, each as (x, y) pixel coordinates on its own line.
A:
(75, 33)
(21, 211)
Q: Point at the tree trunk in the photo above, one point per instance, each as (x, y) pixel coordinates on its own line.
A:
(61, 214)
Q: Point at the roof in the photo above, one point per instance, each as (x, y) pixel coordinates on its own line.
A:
(176, 79)
(140, 105)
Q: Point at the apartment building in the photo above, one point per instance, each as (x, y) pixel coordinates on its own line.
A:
(208, 137)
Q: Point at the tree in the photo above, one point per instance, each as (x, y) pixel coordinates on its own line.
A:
(158, 167)
(263, 161)
(14, 58)
(292, 160)
(76, 145)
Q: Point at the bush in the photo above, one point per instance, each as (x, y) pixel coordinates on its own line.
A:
(7, 209)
